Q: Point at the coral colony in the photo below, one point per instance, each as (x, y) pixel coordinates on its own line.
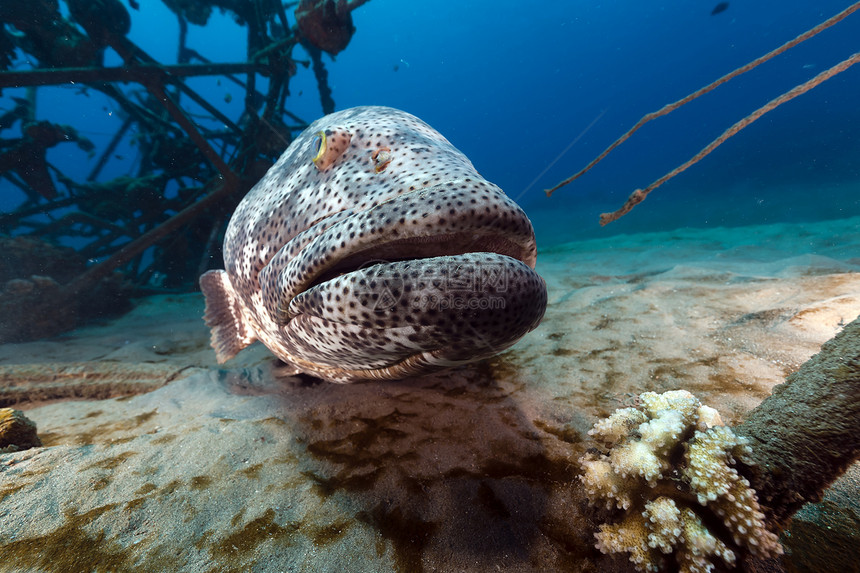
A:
(668, 464)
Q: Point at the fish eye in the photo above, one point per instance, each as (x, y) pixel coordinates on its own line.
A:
(319, 147)
(329, 146)
(381, 158)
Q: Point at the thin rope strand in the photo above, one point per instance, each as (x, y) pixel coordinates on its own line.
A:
(639, 195)
(673, 106)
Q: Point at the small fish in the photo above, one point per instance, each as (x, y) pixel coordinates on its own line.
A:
(373, 249)
(721, 7)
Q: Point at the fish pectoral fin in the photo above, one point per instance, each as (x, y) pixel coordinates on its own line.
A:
(230, 331)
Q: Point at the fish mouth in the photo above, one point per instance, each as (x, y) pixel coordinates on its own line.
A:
(454, 218)
(418, 248)
(418, 288)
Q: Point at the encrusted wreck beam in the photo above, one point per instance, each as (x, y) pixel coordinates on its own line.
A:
(158, 91)
(28, 383)
(807, 432)
(130, 250)
(140, 73)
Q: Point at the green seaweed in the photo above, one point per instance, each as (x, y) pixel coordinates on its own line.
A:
(9, 490)
(407, 532)
(200, 482)
(252, 472)
(101, 483)
(110, 463)
(330, 533)
(253, 534)
(164, 439)
(74, 546)
(145, 417)
(491, 502)
(237, 518)
(170, 488)
(135, 503)
(146, 488)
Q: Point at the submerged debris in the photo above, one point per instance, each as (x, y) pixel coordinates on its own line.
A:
(17, 432)
(160, 220)
(32, 302)
(327, 24)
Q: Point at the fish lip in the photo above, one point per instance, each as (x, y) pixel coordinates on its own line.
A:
(418, 248)
(449, 310)
(445, 212)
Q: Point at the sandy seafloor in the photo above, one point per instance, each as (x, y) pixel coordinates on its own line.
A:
(165, 461)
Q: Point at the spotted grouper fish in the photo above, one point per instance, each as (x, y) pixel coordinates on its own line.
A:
(373, 249)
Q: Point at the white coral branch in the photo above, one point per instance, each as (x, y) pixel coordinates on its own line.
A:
(639, 446)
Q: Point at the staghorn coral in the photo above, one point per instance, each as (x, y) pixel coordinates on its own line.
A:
(668, 465)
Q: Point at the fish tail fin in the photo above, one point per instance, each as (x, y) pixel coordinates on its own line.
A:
(224, 316)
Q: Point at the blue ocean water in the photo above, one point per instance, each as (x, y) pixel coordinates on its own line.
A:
(533, 91)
